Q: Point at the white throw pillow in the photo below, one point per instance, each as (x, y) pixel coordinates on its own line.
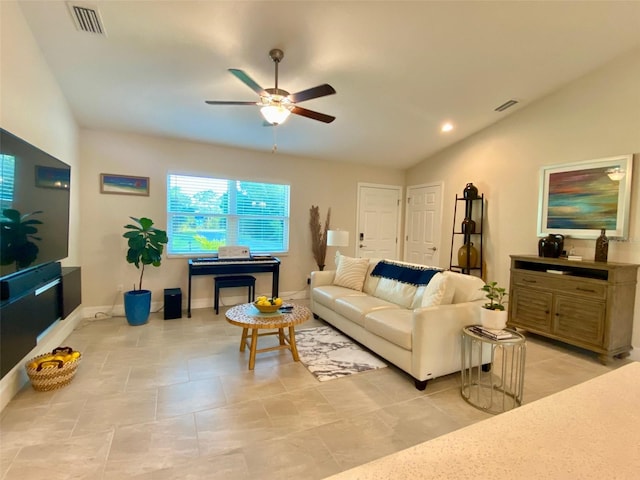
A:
(439, 291)
(437, 295)
(467, 288)
(351, 272)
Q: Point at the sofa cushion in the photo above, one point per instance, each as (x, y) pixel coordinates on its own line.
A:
(401, 294)
(467, 288)
(351, 272)
(392, 325)
(355, 308)
(327, 294)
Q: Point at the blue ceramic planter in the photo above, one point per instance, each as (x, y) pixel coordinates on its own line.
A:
(137, 306)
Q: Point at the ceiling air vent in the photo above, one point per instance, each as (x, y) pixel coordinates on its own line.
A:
(87, 18)
(505, 105)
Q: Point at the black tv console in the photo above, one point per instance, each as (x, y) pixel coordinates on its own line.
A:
(31, 302)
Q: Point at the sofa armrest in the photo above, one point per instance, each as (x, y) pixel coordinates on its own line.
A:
(437, 334)
(324, 277)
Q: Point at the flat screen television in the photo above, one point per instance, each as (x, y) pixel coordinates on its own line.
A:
(34, 206)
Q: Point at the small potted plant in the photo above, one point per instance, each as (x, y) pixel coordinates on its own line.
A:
(493, 314)
(146, 244)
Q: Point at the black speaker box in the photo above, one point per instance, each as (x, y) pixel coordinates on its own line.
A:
(172, 303)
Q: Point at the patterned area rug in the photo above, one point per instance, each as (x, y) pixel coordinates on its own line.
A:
(328, 354)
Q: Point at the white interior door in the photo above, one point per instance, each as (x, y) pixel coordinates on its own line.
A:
(378, 221)
(423, 224)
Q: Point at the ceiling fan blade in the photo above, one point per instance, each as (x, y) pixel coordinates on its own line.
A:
(315, 92)
(248, 81)
(225, 102)
(313, 115)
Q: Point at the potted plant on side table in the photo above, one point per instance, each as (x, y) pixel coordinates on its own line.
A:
(146, 244)
(493, 314)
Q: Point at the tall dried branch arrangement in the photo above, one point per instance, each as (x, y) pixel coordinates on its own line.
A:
(319, 235)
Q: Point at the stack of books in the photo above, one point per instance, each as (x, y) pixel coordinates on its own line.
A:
(492, 334)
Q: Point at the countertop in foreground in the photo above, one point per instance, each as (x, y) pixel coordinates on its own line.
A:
(589, 431)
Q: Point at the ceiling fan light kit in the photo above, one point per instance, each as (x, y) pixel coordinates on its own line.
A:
(276, 104)
(275, 115)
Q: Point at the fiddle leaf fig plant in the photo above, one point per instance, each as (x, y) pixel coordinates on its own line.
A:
(146, 244)
(495, 294)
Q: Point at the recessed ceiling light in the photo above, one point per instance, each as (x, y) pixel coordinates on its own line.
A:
(446, 127)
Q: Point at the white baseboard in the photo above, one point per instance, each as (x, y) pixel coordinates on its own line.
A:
(118, 310)
(55, 336)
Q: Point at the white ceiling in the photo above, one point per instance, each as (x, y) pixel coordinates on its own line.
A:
(400, 68)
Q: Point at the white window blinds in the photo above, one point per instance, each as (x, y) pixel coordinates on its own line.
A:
(204, 213)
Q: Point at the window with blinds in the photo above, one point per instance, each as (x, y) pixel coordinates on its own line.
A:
(7, 181)
(204, 213)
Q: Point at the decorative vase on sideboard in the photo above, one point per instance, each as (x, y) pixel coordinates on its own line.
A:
(551, 246)
(602, 247)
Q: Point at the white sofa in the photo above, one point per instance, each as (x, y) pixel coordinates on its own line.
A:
(416, 327)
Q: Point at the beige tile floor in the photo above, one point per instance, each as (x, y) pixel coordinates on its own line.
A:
(173, 399)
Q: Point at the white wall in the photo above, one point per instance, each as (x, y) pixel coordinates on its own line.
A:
(312, 182)
(33, 108)
(594, 117)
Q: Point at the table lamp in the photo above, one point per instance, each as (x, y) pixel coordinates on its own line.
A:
(337, 238)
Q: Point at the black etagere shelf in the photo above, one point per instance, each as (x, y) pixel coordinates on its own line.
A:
(468, 226)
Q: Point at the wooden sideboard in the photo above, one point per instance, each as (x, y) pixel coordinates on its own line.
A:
(583, 303)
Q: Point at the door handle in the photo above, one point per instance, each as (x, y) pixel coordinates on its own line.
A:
(363, 246)
(434, 248)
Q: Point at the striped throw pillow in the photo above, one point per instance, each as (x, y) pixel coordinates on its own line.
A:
(351, 272)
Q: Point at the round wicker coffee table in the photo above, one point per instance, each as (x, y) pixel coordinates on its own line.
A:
(248, 317)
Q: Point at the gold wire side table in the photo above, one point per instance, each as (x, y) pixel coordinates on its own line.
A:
(497, 387)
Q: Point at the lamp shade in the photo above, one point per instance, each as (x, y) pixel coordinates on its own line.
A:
(275, 114)
(337, 238)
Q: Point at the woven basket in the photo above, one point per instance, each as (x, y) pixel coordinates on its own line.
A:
(54, 373)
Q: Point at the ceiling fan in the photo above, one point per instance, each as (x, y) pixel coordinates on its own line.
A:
(277, 104)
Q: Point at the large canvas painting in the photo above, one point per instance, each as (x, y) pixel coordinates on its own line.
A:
(579, 199)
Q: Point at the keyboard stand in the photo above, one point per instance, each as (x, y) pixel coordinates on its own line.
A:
(215, 266)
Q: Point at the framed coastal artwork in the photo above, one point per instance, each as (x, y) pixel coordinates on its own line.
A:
(124, 184)
(579, 199)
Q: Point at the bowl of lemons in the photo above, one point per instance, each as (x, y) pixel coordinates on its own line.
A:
(268, 305)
